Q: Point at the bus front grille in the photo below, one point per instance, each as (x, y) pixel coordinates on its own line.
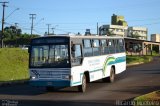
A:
(50, 74)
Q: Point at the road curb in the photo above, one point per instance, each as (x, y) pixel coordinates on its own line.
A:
(13, 82)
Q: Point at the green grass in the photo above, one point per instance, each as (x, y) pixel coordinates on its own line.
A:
(155, 53)
(13, 64)
(138, 59)
(149, 98)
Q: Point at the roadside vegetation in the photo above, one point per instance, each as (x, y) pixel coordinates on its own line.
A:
(13, 64)
(141, 59)
(138, 59)
(154, 53)
(150, 99)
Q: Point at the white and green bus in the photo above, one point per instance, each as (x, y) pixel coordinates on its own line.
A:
(66, 61)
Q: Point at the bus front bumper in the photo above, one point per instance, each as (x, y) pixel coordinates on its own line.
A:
(56, 83)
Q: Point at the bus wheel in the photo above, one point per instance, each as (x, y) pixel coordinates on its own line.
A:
(112, 75)
(49, 89)
(111, 78)
(82, 88)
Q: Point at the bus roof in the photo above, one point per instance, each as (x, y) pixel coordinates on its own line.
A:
(81, 36)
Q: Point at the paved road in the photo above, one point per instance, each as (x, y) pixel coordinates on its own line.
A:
(135, 81)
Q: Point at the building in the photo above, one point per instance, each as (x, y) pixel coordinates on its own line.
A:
(124, 31)
(110, 30)
(135, 46)
(118, 20)
(155, 37)
(137, 32)
(120, 27)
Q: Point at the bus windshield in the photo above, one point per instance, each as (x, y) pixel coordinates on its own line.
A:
(49, 56)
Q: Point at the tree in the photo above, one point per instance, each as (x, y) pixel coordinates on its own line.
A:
(14, 37)
(12, 32)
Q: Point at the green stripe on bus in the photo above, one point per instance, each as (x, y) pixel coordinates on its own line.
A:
(109, 61)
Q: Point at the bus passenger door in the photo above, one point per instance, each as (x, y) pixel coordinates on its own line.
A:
(76, 60)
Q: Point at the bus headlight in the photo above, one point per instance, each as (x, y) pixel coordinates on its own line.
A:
(33, 74)
(33, 77)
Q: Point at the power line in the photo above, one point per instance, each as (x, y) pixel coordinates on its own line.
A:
(148, 24)
(54, 28)
(38, 32)
(90, 23)
(64, 31)
(39, 22)
(149, 19)
(11, 13)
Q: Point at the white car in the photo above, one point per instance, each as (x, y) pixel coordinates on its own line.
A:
(25, 47)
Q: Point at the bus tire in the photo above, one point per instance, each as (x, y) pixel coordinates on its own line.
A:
(111, 78)
(49, 89)
(112, 75)
(82, 88)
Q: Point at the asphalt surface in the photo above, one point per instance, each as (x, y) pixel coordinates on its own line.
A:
(135, 81)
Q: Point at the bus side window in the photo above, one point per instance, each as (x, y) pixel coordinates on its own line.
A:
(116, 45)
(111, 46)
(121, 45)
(76, 55)
(104, 48)
(87, 48)
(96, 47)
(107, 47)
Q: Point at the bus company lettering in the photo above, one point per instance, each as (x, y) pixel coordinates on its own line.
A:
(94, 62)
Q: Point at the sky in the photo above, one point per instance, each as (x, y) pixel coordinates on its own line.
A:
(78, 15)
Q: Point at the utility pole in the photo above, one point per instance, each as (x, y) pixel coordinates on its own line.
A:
(2, 34)
(48, 27)
(33, 16)
(16, 25)
(97, 29)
